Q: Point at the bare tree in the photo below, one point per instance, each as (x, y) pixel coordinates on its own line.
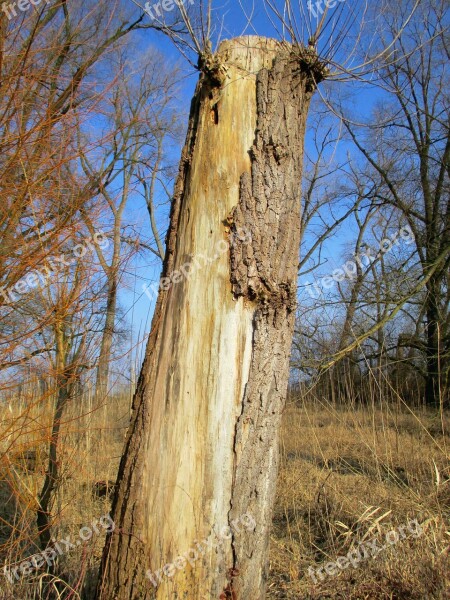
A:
(46, 57)
(140, 121)
(408, 148)
(70, 338)
(50, 70)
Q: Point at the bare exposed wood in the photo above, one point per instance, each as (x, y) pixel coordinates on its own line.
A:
(202, 447)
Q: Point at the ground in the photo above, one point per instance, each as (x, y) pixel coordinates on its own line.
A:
(347, 475)
(354, 475)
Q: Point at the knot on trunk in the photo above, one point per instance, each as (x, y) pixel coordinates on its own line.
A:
(311, 65)
(212, 67)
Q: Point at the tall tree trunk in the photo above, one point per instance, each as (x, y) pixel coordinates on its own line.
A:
(432, 382)
(202, 447)
(51, 480)
(101, 388)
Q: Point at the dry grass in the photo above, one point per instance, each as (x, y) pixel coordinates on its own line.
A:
(345, 476)
(89, 453)
(348, 476)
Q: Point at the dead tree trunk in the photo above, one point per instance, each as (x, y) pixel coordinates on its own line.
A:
(202, 448)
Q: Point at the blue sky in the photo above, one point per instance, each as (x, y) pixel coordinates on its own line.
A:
(232, 21)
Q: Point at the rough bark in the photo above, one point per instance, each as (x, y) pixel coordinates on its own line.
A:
(107, 337)
(201, 450)
(436, 356)
(51, 480)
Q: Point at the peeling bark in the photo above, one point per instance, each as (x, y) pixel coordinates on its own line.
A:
(201, 450)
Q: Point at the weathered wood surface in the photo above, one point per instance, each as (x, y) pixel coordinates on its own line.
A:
(202, 447)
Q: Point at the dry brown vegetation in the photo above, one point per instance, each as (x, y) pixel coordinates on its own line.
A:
(347, 475)
(91, 443)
